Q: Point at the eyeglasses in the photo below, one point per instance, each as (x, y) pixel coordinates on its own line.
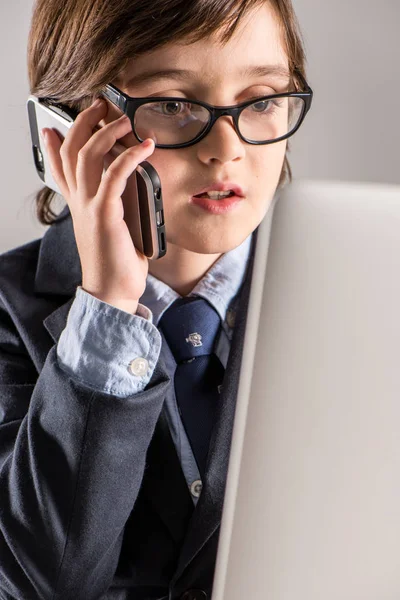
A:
(179, 122)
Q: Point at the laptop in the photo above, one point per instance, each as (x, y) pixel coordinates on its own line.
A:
(312, 504)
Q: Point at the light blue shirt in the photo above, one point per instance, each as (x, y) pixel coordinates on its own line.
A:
(100, 342)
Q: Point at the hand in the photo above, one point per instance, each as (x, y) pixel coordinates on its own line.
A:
(113, 270)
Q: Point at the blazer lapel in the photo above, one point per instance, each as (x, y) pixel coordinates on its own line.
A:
(58, 273)
(59, 268)
(207, 516)
(57, 276)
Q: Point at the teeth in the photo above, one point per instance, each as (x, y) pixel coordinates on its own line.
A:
(217, 195)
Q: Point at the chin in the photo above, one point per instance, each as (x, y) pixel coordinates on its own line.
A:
(212, 244)
(214, 235)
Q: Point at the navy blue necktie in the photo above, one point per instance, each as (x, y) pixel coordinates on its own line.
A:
(190, 327)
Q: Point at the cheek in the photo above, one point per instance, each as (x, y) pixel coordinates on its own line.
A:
(268, 164)
(273, 156)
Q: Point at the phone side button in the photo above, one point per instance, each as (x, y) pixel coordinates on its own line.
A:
(160, 218)
(162, 242)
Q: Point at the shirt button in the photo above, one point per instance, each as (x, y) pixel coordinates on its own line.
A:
(230, 318)
(139, 367)
(196, 487)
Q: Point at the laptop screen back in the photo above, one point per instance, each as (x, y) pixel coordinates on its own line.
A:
(312, 504)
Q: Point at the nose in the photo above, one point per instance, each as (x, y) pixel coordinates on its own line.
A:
(222, 143)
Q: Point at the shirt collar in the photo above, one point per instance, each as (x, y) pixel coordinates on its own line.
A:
(219, 286)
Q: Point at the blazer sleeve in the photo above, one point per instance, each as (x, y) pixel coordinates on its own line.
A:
(71, 464)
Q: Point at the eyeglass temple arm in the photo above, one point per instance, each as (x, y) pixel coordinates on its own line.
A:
(115, 96)
(303, 81)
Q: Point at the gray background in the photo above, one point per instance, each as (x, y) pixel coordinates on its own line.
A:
(353, 54)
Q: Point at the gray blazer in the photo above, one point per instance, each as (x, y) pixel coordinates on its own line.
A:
(93, 501)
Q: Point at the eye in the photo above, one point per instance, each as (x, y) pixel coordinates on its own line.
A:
(173, 108)
(261, 106)
(266, 106)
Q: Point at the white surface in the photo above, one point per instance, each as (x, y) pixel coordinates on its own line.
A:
(351, 132)
(312, 508)
(18, 223)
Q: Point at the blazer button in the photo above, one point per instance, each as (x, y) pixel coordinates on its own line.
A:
(194, 595)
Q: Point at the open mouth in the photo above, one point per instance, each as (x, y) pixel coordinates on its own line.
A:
(216, 195)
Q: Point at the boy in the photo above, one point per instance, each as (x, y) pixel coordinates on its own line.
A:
(115, 445)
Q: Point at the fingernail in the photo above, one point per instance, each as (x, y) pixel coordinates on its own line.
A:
(97, 103)
(147, 143)
(44, 135)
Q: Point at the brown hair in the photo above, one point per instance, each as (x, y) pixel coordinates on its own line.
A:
(76, 47)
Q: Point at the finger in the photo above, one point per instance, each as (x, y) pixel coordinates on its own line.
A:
(90, 164)
(76, 138)
(53, 143)
(115, 179)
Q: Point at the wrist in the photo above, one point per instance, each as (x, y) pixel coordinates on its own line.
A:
(129, 306)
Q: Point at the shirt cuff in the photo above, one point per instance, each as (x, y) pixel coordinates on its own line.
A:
(108, 349)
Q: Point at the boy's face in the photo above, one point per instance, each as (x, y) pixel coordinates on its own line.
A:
(220, 156)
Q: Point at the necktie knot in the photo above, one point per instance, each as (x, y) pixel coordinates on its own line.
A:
(190, 326)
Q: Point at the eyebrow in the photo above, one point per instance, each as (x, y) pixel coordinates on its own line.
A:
(277, 71)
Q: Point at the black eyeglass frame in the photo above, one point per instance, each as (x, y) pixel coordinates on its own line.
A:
(129, 106)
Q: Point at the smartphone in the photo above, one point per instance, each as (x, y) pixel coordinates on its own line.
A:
(142, 197)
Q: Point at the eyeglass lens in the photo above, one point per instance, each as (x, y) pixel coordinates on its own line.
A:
(173, 122)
